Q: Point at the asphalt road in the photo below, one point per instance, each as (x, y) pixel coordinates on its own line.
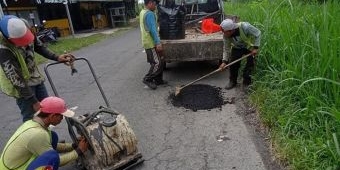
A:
(169, 138)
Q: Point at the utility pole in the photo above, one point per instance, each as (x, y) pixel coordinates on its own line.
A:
(69, 16)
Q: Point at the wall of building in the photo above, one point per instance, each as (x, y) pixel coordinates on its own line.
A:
(84, 15)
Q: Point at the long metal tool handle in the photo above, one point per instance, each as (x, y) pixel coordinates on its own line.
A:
(217, 70)
(243, 57)
(93, 74)
(70, 122)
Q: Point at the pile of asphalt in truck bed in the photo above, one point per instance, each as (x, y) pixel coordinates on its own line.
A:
(198, 97)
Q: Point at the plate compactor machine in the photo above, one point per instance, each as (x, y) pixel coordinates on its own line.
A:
(112, 142)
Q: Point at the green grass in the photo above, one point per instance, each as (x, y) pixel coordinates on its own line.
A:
(70, 44)
(297, 88)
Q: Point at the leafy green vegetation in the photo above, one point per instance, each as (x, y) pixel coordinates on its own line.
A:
(297, 88)
(70, 44)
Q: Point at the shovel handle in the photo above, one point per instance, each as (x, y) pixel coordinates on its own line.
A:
(235, 61)
(217, 70)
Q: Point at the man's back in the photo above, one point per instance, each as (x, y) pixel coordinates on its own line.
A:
(29, 141)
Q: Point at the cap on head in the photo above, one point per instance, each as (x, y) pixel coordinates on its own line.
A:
(16, 31)
(148, 1)
(228, 24)
(55, 105)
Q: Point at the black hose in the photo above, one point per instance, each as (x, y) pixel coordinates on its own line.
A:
(119, 147)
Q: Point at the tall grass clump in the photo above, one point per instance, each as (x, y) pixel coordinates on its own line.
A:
(297, 81)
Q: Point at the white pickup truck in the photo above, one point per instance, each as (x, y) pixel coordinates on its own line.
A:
(195, 46)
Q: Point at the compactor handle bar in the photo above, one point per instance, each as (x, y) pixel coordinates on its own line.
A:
(93, 74)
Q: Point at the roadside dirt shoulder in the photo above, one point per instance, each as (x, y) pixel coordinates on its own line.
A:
(259, 134)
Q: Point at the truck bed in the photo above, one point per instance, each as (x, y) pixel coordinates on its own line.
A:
(195, 47)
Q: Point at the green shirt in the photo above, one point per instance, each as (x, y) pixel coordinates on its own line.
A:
(249, 37)
(29, 141)
(147, 40)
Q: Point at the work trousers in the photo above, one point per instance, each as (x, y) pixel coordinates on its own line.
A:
(248, 69)
(26, 105)
(155, 73)
(47, 159)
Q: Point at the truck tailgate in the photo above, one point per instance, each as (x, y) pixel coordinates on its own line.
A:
(195, 47)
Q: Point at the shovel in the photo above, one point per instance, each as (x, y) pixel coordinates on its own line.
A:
(178, 89)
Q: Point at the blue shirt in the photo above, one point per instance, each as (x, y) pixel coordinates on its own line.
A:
(152, 26)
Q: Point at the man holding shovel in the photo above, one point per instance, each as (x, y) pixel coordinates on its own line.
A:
(242, 38)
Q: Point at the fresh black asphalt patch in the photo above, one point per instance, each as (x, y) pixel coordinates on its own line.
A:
(198, 97)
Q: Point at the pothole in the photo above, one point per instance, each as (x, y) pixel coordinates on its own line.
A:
(198, 97)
